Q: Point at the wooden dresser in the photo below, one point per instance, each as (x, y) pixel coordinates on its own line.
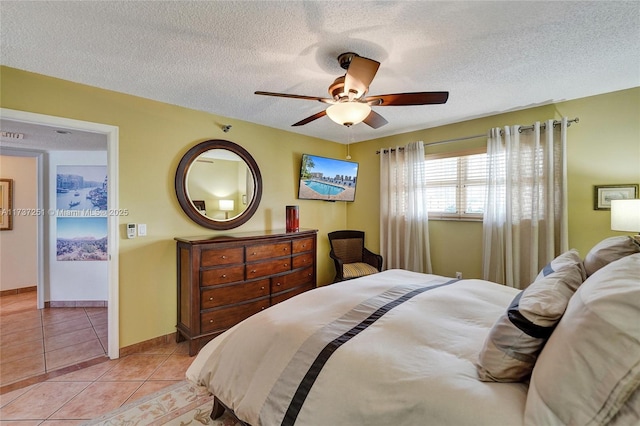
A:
(227, 278)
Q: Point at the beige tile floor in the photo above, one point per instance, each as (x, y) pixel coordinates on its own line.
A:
(83, 394)
(34, 342)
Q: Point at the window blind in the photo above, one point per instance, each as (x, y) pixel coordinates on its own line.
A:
(456, 186)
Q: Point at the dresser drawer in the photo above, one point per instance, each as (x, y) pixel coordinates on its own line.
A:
(221, 256)
(263, 269)
(268, 251)
(300, 246)
(231, 294)
(221, 319)
(217, 276)
(302, 260)
(303, 276)
(289, 281)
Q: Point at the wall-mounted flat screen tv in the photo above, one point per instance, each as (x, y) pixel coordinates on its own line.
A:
(328, 179)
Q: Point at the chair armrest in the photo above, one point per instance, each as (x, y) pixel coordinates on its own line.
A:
(372, 259)
(338, 264)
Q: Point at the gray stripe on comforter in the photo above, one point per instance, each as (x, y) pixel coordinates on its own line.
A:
(279, 407)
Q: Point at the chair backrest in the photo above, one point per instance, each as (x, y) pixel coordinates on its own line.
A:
(347, 245)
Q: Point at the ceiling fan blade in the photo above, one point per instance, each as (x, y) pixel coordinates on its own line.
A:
(286, 95)
(375, 120)
(415, 98)
(310, 119)
(359, 75)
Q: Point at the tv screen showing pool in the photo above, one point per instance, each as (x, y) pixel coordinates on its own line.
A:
(328, 179)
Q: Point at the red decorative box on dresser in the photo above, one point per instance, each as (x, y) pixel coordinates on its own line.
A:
(225, 279)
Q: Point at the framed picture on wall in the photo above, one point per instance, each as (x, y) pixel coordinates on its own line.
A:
(6, 204)
(603, 194)
(81, 239)
(81, 188)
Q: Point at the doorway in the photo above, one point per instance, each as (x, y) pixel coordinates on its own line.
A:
(111, 135)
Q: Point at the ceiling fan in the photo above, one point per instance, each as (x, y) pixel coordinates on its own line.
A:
(349, 104)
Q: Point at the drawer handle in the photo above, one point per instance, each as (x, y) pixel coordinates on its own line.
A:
(211, 298)
(224, 257)
(278, 284)
(224, 275)
(254, 253)
(286, 264)
(262, 308)
(253, 271)
(304, 246)
(210, 321)
(262, 288)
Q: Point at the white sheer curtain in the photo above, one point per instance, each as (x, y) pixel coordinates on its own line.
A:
(525, 218)
(404, 220)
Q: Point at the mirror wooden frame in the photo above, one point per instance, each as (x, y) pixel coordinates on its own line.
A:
(181, 185)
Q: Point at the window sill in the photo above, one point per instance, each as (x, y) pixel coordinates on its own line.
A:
(457, 218)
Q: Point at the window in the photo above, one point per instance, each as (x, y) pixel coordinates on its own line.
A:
(456, 185)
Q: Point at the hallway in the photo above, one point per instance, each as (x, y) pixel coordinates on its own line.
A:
(34, 343)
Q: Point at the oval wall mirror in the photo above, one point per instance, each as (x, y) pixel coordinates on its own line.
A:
(218, 184)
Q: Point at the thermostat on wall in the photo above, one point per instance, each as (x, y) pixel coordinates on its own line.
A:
(131, 230)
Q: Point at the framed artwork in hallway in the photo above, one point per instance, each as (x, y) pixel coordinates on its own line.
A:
(6, 204)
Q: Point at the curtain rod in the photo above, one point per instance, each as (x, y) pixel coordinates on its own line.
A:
(464, 138)
(555, 123)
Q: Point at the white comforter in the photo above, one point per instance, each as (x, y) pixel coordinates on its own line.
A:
(413, 366)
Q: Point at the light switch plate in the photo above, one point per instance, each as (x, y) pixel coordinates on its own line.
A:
(142, 229)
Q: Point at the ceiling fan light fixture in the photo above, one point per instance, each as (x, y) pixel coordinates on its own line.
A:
(348, 113)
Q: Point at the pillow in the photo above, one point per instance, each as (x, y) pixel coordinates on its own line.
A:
(515, 340)
(608, 250)
(589, 370)
(629, 413)
(563, 261)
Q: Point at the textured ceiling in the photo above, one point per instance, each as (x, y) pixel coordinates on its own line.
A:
(211, 55)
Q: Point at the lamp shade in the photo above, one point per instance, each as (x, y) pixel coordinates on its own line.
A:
(226, 205)
(625, 215)
(348, 113)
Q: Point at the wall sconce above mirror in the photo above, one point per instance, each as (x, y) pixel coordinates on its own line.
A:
(218, 184)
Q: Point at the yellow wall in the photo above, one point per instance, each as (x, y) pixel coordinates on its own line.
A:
(153, 138)
(603, 148)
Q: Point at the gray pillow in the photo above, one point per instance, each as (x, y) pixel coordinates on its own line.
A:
(608, 250)
(515, 340)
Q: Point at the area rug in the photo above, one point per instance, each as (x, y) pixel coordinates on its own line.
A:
(179, 404)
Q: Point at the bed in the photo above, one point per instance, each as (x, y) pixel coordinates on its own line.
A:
(404, 348)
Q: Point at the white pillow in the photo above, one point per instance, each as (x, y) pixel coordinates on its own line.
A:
(590, 366)
(565, 260)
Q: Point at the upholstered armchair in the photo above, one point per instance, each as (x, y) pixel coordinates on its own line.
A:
(351, 258)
